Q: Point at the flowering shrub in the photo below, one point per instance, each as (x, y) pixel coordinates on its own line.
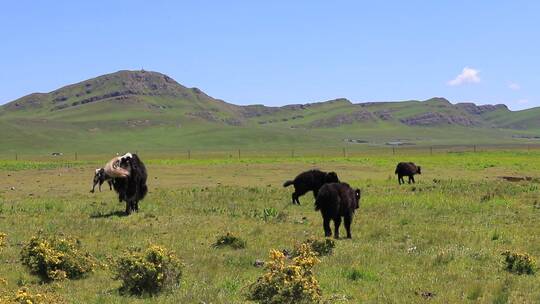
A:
(3, 238)
(24, 296)
(149, 271)
(321, 247)
(231, 241)
(520, 263)
(288, 283)
(56, 258)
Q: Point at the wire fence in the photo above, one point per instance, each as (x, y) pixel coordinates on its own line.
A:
(350, 151)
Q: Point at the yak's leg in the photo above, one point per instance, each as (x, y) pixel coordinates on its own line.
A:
(128, 208)
(100, 183)
(347, 221)
(400, 179)
(326, 226)
(93, 188)
(110, 184)
(411, 178)
(337, 223)
(295, 198)
(136, 206)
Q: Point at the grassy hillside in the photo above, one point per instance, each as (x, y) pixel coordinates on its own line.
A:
(151, 111)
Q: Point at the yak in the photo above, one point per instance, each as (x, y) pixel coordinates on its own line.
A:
(100, 176)
(311, 180)
(337, 200)
(132, 188)
(407, 169)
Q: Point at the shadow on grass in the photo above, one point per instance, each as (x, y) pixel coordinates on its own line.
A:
(97, 215)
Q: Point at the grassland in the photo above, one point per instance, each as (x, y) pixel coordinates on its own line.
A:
(443, 235)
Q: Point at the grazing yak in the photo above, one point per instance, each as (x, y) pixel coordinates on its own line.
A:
(337, 200)
(131, 188)
(311, 180)
(407, 169)
(99, 178)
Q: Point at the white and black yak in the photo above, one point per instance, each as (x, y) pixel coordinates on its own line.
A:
(407, 169)
(337, 200)
(311, 180)
(101, 177)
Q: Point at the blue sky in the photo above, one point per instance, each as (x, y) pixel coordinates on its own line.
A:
(281, 52)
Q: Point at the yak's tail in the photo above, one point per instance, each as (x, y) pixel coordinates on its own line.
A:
(322, 199)
(144, 191)
(288, 183)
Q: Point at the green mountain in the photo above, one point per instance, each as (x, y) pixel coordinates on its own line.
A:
(130, 110)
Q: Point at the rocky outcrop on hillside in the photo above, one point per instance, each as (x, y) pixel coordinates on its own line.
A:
(258, 110)
(343, 119)
(211, 117)
(384, 114)
(471, 108)
(34, 100)
(436, 118)
(284, 119)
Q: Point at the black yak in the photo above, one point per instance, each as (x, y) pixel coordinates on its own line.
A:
(131, 189)
(337, 200)
(311, 180)
(407, 169)
(99, 178)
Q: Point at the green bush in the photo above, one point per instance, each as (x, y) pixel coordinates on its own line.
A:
(321, 247)
(230, 241)
(288, 283)
(56, 258)
(148, 271)
(519, 263)
(355, 274)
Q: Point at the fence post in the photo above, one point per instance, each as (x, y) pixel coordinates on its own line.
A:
(431, 150)
(75, 155)
(344, 152)
(188, 154)
(16, 156)
(292, 153)
(393, 150)
(238, 153)
(475, 148)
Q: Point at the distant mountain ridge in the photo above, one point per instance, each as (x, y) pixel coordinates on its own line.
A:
(145, 102)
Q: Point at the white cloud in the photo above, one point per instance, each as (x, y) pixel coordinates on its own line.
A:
(514, 86)
(523, 101)
(468, 75)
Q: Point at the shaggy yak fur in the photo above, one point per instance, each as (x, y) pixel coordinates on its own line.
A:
(337, 200)
(407, 169)
(99, 178)
(131, 189)
(311, 180)
(113, 168)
